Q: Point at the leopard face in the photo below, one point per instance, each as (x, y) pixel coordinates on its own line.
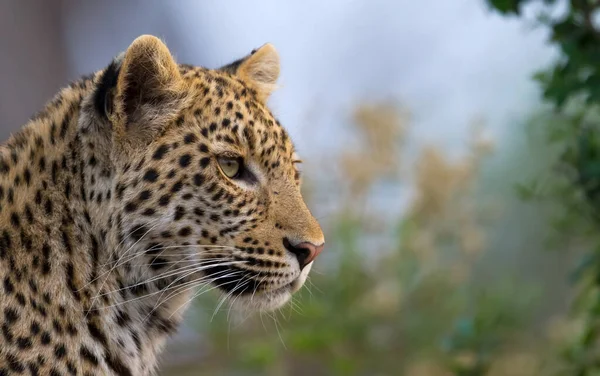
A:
(207, 185)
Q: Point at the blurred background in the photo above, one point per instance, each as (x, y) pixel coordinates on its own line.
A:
(450, 153)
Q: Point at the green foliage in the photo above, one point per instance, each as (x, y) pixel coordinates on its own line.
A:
(577, 72)
(572, 86)
(345, 330)
(497, 312)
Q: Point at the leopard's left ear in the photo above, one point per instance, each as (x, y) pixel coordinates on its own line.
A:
(149, 92)
(260, 70)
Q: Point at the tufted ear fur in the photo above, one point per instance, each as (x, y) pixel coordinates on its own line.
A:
(260, 69)
(149, 92)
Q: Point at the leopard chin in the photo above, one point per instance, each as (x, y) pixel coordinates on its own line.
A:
(270, 300)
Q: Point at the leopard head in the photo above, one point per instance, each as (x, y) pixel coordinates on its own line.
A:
(205, 175)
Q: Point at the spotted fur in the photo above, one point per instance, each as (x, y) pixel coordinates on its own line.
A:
(113, 207)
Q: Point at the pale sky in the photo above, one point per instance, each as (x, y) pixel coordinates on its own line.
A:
(448, 61)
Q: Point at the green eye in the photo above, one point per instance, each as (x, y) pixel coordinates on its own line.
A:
(231, 167)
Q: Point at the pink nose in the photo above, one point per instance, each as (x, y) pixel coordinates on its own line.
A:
(305, 252)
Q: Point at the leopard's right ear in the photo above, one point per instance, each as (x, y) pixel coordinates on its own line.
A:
(140, 92)
(104, 93)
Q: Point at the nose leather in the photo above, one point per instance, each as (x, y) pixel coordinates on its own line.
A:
(305, 252)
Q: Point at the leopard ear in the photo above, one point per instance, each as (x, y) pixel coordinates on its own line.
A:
(149, 92)
(260, 69)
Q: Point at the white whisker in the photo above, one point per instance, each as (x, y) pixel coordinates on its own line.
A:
(221, 264)
(199, 266)
(110, 270)
(227, 296)
(124, 253)
(204, 291)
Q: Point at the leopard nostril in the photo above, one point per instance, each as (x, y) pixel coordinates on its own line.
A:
(305, 252)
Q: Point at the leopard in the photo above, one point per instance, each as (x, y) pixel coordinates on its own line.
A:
(135, 189)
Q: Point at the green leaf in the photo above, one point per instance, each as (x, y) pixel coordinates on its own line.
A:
(526, 192)
(556, 135)
(584, 264)
(506, 6)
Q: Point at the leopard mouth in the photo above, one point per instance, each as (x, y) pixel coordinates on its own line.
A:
(297, 283)
(232, 280)
(243, 289)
